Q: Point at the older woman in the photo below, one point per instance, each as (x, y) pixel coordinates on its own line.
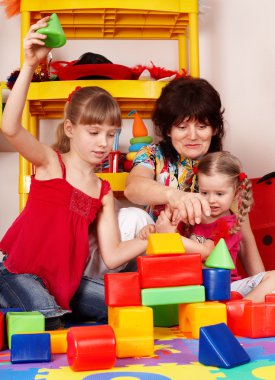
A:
(188, 118)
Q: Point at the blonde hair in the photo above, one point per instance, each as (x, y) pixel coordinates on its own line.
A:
(87, 105)
(229, 165)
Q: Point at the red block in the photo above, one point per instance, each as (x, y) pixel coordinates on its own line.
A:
(122, 289)
(260, 317)
(169, 270)
(1, 330)
(235, 316)
(251, 320)
(270, 297)
(91, 348)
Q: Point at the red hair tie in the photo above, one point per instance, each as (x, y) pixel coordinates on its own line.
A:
(72, 93)
(242, 176)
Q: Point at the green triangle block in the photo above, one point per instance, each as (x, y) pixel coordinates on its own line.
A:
(54, 32)
(220, 257)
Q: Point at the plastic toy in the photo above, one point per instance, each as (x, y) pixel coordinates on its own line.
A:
(164, 243)
(217, 284)
(166, 315)
(30, 348)
(172, 295)
(2, 324)
(169, 270)
(193, 316)
(122, 289)
(220, 257)
(54, 31)
(133, 327)
(218, 347)
(22, 322)
(91, 348)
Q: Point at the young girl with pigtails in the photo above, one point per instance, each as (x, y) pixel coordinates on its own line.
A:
(229, 194)
(47, 247)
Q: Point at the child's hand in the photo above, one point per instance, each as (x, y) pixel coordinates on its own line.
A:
(34, 45)
(146, 231)
(164, 224)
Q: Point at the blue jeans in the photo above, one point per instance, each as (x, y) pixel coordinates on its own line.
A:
(27, 292)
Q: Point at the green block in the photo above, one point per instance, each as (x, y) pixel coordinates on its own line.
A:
(166, 315)
(24, 321)
(220, 257)
(172, 295)
(54, 32)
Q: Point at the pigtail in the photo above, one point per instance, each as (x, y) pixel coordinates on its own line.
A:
(62, 141)
(245, 200)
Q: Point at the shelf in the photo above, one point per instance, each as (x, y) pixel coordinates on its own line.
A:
(113, 19)
(47, 99)
(109, 19)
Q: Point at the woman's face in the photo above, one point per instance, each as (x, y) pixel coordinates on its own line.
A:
(191, 138)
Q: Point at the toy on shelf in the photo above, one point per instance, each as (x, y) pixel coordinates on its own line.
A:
(140, 138)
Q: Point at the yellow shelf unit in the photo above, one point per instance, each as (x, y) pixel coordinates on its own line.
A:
(108, 19)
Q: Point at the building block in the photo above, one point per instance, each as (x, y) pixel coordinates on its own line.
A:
(2, 317)
(193, 316)
(235, 314)
(122, 289)
(259, 319)
(270, 297)
(139, 318)
(133, 345)
(166, 315)
(30, 348)
(24, 321)
(169, 270)
(218, 347)
(91, 348)
(134, 330)
(5, 311)
(173, 295)
(58, 340)
(164, 243)
(216, 283)
(220, 257)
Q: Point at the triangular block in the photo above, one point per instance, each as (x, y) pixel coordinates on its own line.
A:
(218, 347)
(164, 243)
(54, 32)
(139, 128)
(220, 257)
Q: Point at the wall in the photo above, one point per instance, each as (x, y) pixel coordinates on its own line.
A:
(237, 55)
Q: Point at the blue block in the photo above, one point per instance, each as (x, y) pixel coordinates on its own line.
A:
(30, 348)
(137, 146)
(218, 347)
(216, 283)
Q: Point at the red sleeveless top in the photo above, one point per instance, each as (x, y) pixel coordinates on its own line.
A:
(50, 237)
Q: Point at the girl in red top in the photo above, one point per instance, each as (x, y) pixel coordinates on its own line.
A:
(47, 246)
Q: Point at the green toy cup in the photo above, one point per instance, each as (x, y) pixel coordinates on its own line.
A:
(54, 32)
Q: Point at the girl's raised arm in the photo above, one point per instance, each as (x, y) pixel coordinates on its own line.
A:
(23, 141)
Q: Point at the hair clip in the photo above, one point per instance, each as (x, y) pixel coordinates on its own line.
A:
(73, 92)
(242, 176)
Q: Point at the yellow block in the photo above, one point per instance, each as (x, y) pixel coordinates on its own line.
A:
(164, 243)
(193, 316)
(132, 318)
(133, 346)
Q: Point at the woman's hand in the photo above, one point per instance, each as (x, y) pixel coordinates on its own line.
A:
(188, 207)
(34, 45)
